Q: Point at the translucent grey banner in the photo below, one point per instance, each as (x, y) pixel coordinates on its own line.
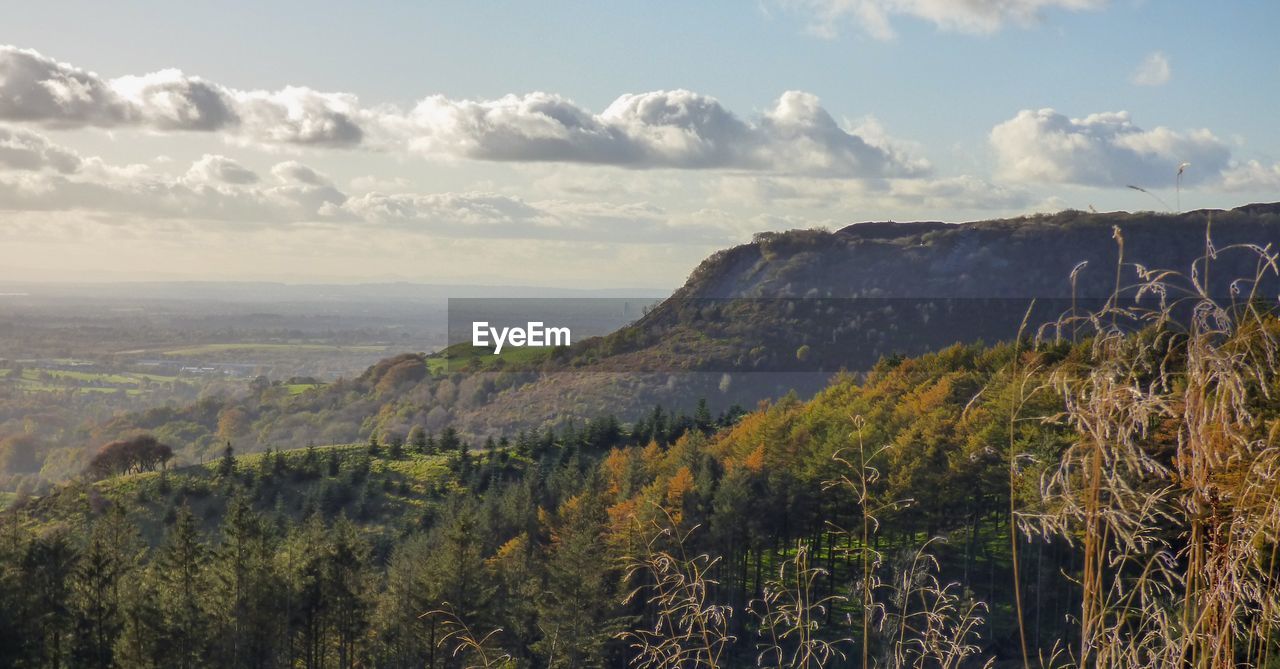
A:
(737, 335)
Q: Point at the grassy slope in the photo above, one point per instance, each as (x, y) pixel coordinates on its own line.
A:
(383, 494)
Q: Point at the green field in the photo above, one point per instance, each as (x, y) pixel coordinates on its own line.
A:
(204, 349)
(91, 376)
(37, 379)
(464, 357)
(299, 388)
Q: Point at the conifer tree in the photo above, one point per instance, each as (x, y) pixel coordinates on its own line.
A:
(246, 589)
(304, 557)
(335, 463)
(702, 416)
(47, 567)
(418, 440)
(227, 465)
(450, 442)
(111, 555)
(347, 590)
(179, 571)
(578, 610)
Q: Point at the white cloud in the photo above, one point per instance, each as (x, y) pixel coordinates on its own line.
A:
(1252, 176)
(660, 129)
(25, 150)
(299, 115)
(673, 129)
(1104, 149)
(211, 169)
(1154, 70)
(170, 100)
(38, 89)
(292, 171)
(875, 17)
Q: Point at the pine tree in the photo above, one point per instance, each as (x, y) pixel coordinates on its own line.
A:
(304, 555)
(347, 590)
(578, 612)
(181, 580)
(227, 465)
(334, 463)
(524, 444)
(311, 460)
(279, 465)
(450, 442)
(658, 426)
(407, 638)
(141, 643)
(418, 440)
(112, 554)
(456, 564)
(247, 590)
(702, 416)
(13, 540)
(47, 567)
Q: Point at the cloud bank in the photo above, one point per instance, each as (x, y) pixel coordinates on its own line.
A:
(676, 129)
(218, 192)
(38, 89)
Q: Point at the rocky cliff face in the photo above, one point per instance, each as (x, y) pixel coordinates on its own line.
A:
(1022, 257)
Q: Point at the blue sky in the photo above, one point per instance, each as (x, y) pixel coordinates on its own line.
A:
(898, 109)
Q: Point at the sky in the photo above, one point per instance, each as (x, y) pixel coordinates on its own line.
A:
(598, 145)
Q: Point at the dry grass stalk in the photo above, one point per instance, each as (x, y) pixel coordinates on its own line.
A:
(790, 614)
(474, 650)
(689, 629)
(1175, 572)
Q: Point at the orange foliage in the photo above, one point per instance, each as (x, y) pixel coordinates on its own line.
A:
(615, 469)
(513, 550)
(755, 462)
(677, 487)
(623, 524)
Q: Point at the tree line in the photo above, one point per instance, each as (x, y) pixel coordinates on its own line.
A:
(939, 512)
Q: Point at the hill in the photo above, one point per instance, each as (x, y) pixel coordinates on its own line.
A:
(783, 312)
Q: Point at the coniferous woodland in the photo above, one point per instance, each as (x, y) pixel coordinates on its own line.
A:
(1101, 492)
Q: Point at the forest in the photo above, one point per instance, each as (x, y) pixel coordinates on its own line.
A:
(1098, 492)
